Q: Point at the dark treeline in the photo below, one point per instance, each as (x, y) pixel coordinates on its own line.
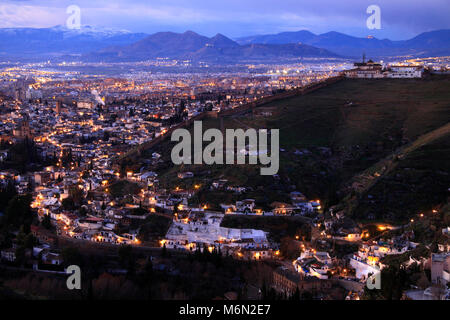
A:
(24, 155)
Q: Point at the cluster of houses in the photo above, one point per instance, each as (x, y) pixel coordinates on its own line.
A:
(368, 258)
(103, 213)
(299, 205)
(40, 257)
(314, 263)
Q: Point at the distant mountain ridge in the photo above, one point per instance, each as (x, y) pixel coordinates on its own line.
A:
(425, 43)
(102, 44)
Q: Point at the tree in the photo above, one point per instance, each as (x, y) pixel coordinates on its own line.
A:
(20, 255)
(394, 281)
(289, 248)
(296, 295)
(18, 212)
(423, 282)
(68, 203)
(7, 193)
(30, 241)
(148, 270)
(83, 211)
(76, 194)
(46, 223)
(164, 250)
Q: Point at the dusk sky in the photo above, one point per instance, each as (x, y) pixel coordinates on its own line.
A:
(400, 19)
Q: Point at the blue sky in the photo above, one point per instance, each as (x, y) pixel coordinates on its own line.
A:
(400, 19)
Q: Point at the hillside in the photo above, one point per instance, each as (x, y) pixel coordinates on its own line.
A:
(332, 137)
(413, 179)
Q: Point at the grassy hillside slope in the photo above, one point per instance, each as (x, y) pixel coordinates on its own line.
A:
(336, 138)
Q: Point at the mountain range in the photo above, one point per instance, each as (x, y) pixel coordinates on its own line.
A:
(427, 43)
(96, 44)
(217, 49)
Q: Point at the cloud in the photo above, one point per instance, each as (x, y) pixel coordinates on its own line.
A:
(400, 18)
(12, 16)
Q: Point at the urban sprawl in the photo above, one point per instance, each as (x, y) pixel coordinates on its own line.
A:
(75, 128)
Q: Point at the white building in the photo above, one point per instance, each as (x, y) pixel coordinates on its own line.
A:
(207, 230)
(404, 71)
(374, 70)
(363, 267)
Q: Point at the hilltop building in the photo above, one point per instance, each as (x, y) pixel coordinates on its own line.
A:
(404, 71)
(375, 70)
(365, 70)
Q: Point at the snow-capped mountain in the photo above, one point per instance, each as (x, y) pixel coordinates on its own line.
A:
(60, 40)
(94, 31)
